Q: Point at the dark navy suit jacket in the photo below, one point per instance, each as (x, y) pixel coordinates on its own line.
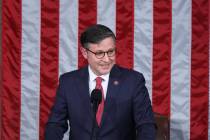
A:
(127, 113)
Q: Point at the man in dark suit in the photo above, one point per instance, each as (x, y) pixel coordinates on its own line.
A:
(125, 112)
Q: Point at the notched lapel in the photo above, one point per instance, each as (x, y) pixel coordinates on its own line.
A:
(83, 91)
(109, 114)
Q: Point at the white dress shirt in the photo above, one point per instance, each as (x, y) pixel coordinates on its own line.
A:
(92, 81)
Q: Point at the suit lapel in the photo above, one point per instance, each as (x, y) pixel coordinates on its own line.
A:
(83, 91)
(110, 102)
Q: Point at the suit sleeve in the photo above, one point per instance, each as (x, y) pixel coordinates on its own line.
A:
(143, 114)
(57, 123)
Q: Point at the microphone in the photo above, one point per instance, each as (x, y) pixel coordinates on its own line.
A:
(96, 98)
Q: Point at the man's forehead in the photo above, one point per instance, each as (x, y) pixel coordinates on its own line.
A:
(101, 47)
(104, 44)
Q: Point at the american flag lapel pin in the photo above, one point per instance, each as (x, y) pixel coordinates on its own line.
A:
(116, 82)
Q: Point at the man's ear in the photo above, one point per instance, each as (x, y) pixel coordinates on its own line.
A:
(84, 52)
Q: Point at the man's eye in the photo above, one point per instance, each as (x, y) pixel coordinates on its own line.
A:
(111, 51)
(99, 53)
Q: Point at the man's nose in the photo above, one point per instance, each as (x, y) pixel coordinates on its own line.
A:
(106, 57)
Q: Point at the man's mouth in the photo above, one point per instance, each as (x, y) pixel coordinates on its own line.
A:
(105, 65)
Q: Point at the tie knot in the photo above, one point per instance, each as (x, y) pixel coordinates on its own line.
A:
(98, 82)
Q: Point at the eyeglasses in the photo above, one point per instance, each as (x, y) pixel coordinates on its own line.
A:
(101, 54)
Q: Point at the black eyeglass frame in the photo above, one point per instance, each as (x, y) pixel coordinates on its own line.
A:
(110, 53)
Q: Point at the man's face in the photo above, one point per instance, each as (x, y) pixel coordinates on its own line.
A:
(100, 66)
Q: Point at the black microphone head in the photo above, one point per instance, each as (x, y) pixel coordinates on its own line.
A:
(96, 96)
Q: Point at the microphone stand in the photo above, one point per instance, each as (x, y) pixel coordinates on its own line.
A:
(96, 97)
(93, 134)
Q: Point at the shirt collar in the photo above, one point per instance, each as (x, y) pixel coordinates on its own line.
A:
(92, 75)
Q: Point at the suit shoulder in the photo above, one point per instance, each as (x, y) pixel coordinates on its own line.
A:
(72, 74)
(130, 72)
(68, 74)
(131, 75)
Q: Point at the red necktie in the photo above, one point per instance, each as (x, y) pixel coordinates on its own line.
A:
(101, 105)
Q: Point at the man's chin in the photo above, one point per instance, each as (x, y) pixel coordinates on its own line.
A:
(105, 71)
